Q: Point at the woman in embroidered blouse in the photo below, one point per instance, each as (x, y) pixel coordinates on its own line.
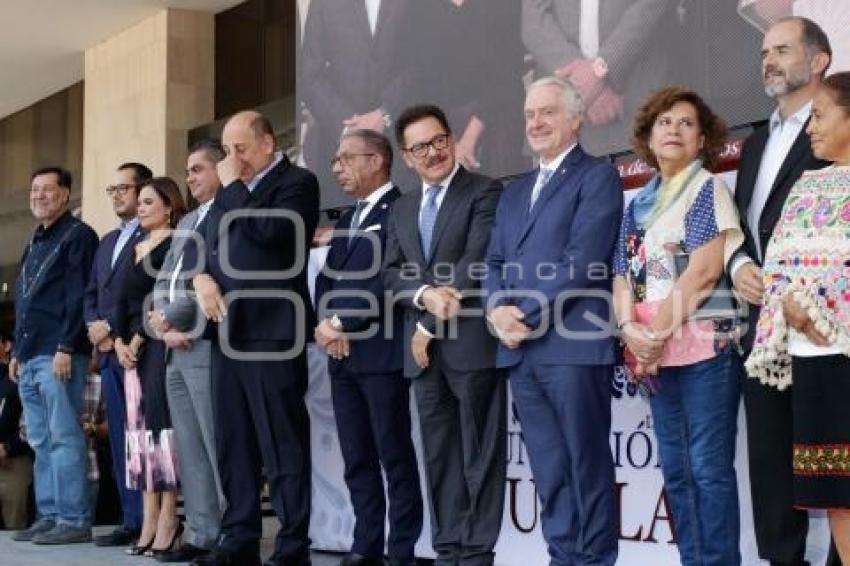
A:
(804, 328)
(151, 459)
(691, 362)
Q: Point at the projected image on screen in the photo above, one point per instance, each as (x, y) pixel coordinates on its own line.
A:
(363, 61)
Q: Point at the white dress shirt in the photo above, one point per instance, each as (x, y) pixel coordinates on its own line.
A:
(252, 184)
(372, 9)
(126, 231)
(373, 199)
(589, 28)
(782, 135)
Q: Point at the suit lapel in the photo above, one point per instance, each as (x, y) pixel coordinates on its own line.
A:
(747, 184)
(378, 211)
(126, 252)
(270, 180)
(454, 194)
(564, 173)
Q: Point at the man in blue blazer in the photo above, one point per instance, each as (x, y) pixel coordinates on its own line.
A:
(549, 290)
(371, 397)
(113, 258)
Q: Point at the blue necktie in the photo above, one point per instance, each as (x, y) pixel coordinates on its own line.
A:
(427, 219)
(542, 178)
(355, 220)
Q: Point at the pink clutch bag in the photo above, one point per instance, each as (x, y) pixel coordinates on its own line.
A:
(692, 342)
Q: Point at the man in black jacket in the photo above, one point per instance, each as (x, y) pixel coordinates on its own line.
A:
(257, 238)
(795, 55)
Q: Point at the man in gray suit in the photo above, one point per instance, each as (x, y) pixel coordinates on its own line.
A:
(437, 234)
(610, 51)
(177, 319)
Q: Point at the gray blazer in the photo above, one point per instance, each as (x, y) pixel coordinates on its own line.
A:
(183, 312)
(460, 238)
(632, 40)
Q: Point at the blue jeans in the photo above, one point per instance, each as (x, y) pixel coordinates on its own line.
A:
(696, 415)
(52, 414)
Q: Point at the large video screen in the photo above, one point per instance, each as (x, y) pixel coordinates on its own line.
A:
(362, 62)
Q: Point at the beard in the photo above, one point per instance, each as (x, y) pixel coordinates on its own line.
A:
(791, 81)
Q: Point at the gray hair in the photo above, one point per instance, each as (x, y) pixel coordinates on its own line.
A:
(375, 141)
(572, 99)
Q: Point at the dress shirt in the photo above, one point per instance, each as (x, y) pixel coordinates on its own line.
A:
(373, 199)
(252, 184)
(782, 135)
(178, 267)
(372, 9)
(589, 28)
(127, 229)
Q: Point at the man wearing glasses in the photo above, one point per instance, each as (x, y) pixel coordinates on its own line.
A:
(436, 241)
(370, 396)
(113, 258)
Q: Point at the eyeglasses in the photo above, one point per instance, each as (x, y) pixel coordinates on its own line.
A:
(120, 189)
(348, 158)
(439, 143)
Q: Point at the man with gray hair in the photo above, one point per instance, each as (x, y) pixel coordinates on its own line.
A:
(179, 322)
(548, 287)
(371, 398)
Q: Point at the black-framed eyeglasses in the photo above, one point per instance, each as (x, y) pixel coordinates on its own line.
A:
(348, 158)
(120, 189)
(438, 142)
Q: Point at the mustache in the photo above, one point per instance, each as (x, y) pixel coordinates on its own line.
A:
(771, 69)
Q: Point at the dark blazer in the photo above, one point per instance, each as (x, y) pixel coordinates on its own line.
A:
(105, 280)
(799, 159)
(267, 244)
(458, 245)
(346, 70)
(563, 245)
(382, 351)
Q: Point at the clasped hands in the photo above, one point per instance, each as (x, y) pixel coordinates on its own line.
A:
(172, 337)
(798, 319)
(603, 104)
(646, 346)
(333, 341)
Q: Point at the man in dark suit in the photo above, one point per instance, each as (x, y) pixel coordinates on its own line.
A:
(437, 236)
(549, 291)
(371, 398)
(354, 74)
(255, 288)
(615, 52)
(795, 55)
(113, 258)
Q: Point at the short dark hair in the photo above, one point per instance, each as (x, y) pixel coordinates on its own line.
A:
(417, 113)
(63, 176)
(710, 124)
(375, 141)
(141, 173)
(169, 192)
(838, 86)
(813, 36)
(211, 147)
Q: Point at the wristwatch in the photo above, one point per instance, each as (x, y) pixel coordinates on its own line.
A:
(336, 323)
(600, 67)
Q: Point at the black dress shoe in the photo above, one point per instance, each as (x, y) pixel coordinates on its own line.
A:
(121, 536)
(185, 553)
(223, 557)
(401, 562)
(354, 559)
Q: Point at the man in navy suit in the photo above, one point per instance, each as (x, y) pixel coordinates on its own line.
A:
(549, 293)
(257, 235)
(113, 258)
(371, 397)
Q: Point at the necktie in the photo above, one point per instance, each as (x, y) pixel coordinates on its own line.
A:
(589, 28)
(427, 219)
(542, 178)
(355, 220)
